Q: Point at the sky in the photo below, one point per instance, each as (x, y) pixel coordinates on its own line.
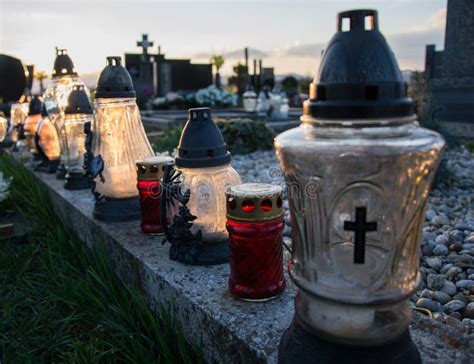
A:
(288, 35)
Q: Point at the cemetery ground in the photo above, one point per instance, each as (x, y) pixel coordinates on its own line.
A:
(65, 304)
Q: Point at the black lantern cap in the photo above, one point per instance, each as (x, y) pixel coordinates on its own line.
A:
(63, 65)
(359, 77)
(35, 106)
(114, 81)
(201, 143)
(78, 101)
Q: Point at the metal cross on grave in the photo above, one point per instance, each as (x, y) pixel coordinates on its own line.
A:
(360, 226)
(145, 43)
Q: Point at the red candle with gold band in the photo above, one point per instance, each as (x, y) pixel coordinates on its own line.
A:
(149, 175)
(255, 224)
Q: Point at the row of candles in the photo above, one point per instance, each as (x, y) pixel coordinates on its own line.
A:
(358, 173)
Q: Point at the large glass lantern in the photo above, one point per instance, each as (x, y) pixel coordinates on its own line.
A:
(77, 113)
(358, 172)
(117, 140)
(194, 201)
(47, 144)
(31, 122)
(63, 78)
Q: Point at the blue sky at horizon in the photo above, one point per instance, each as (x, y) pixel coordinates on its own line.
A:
(288, 35)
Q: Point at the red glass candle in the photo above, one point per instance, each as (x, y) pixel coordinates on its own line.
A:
(255, 224)
(149, 174)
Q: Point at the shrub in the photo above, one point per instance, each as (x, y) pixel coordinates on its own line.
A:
(241, 135)
(246, 136)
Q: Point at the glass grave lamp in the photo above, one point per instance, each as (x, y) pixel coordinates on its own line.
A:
(249, 98)
(193, 202)
(3, 127)
(31, 122)
(114, 143)
(47, 144)
(63, 78)
(358, 172)
(77, 113)
(18, 114)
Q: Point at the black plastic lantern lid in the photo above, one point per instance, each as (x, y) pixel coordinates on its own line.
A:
(44, 112)
(78, 101)
(201, 143)
(35, 105)
(359, 77)
(63, 65)
(114, 81)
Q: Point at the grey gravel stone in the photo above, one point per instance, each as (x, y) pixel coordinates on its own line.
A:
(436, 281)
(428, 304)
(449, 288)
(442, 239)
(430, 214)
(434, 263)
(453, 272)
(469, 311)
(440, 249)
(464, 283)
(441, 297)
(453, 306)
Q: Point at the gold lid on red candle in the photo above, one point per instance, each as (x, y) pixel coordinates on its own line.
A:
(152, 169)
(254, 202)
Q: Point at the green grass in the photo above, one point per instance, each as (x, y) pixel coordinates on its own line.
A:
(60, 302)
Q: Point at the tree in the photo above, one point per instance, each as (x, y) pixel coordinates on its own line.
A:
(218, 62)
(41, 76)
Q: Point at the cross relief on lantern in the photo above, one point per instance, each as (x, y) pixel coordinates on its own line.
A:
(360, 227)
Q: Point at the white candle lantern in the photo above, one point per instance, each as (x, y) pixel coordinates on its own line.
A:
(194, 217)
(117, 140)
(358, 173)
(63, 78)
(76, 114)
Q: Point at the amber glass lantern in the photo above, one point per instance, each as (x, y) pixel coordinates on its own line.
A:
(63, 78)
(194, 198)
(255, 225)
(18, 114)
(31, 122)
(117, 140)
(47, 144)
(3, 127)
(358, 172)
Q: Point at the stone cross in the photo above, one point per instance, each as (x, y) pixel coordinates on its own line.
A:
(145, 43)
(360, 226)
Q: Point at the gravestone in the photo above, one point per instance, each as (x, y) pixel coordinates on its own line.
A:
(155, 75)
(450, 73)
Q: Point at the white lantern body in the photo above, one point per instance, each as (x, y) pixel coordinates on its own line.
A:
(120, 139)
(74, 140)
(18, 114)
(249, 101)
(207, 199)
